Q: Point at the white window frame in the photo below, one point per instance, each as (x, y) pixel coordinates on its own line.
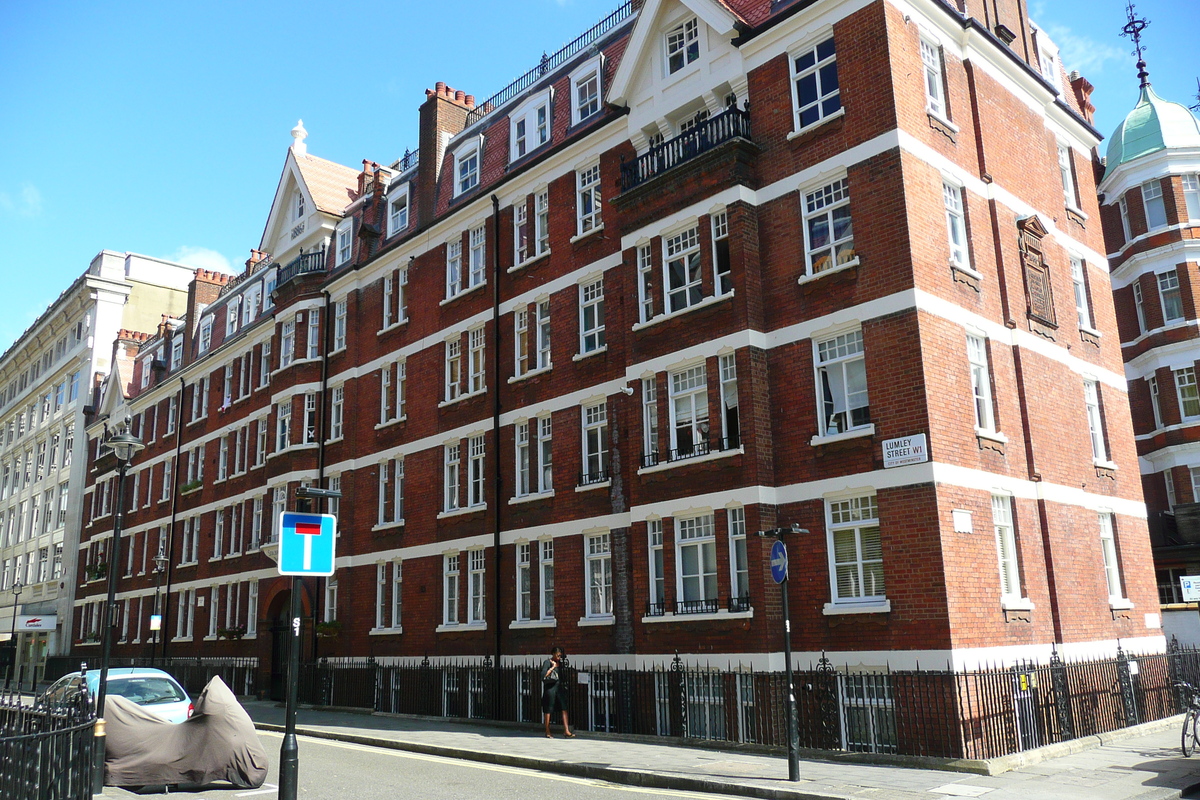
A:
(1153, 203)
(476, 587)
(1155, 400)
(696, 559)
(956, 225)
(1091, 400)
(542, 332)
(1123, 207)
(1006, 548)
(681, 45)
(722, 279)
(545, 456)
(1170, 296)
(524, 455)
(1187, 392)
(1083, 308)
(981, 384)
(1191, 196)
(344, 241)
(477, 360)
(451, 477)
(521, 341)
(933, 72)
(477, 257)
(529, 125)
(649, 421)
(655, 562)
(287, 342)
(856, 516)
(816, 62)
(687, 408)
(1139, 306)
(739, 560)
(451, 572)
(591, 316)
(1067, 173)
(1112, 561)
(589, 205)
(455, 281)
(339, 325)
(681, 259)
(546, 580)
(645, 256)
(468, 162)
(598, 576)
(522, 233)
(206, 326)
(477, 472)
(823, 206)
(836, 355)
(398, 217)
(587, 90)
(313, 333)
(595, 443)
(453, 382)
(541, 221)
(524, 582)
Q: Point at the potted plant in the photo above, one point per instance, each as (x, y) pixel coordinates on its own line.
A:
(236, 632)
(329, 628)
(190, 486)
(96, 571)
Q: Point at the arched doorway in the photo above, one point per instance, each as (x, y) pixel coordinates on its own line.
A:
(278, 620)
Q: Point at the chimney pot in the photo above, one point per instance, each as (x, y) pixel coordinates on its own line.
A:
(470, 101)
(440, 86)
(460, 95)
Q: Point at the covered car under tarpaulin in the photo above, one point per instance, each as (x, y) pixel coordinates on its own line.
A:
(218, 743)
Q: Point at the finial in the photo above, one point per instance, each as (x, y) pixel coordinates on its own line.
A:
(1196, 107)
(1133, 29)
(298, 136)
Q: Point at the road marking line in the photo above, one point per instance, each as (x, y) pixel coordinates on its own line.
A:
(510, 770)
(268, 788)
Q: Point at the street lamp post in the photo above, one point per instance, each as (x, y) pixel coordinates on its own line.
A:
(160, 566)
(12, 636)
(124, 446)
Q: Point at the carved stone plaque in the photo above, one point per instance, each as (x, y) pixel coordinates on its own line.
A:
(1039, 295)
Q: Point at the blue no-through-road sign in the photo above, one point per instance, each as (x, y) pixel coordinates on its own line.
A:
(779, 564)
(306, 543)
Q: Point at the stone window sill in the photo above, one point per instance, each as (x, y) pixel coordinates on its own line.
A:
(856, 433)
(1016, 604)
(389, 328)
(461, 397)
(704, 303)
(529, 498)
(590, 353)
(460, 627)
(595, 622)
(520, 624)
(682, 462)
(810, 277)
(718, 615)
(387, 526)
(835, 609)
(529, 262)
(841, 112)
(385, 631)
(586, 234)
(459, 512)
(463, 293)
(597, 485)
(383, 425)
(531, 373)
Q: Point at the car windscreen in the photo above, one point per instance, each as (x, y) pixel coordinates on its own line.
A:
(146, 691)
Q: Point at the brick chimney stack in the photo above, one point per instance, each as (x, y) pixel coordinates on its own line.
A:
(204, 289)
(443, 114)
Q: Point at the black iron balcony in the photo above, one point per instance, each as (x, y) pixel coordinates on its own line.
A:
(589, 478)
(656, 609)
(301, 265)
(709, 605)
(737, 604)
(700, 448)
(732, 123)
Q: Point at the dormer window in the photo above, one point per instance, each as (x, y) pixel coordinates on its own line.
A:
(177, 350)
(344, 241)
(466, 167)
(683, 45)
(232, 313)
(529, 126)
(585, 89)
(398, 210)
(205, 336)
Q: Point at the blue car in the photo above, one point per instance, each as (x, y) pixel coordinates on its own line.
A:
(152, 689)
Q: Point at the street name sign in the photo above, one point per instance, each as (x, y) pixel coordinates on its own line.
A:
(306, 543)
(905, 450)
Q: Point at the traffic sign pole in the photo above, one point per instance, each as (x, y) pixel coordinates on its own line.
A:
(779, 572)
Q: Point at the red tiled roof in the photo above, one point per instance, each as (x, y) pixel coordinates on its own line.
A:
(332, 186)
(753, 12)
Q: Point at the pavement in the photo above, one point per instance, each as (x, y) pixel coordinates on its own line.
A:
(1140, 763)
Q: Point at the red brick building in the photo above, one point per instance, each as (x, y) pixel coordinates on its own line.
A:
(715, 268)
(1151, 212)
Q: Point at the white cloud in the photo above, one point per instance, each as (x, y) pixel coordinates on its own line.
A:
(202, 258)
(26, 202)
(1083, 53)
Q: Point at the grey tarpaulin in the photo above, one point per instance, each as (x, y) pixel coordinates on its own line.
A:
(218, 743)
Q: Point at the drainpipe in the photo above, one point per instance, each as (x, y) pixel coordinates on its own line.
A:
(322, 430)
(496, 561)
(166, 615)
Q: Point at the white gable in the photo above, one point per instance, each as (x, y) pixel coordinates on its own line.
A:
(660, 93)
(282, 221)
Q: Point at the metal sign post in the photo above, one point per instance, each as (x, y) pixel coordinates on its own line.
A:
(779, 573)
(306, 547)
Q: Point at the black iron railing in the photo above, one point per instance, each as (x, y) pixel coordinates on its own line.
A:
(701, 448)
(240, 674)
(656, 609)
(237, 280)
(707, 605)
(46, 748)
(410, 159)
(738, 604)
(732, 123)
(301, 265)
(550, 63)
(981, 713)
(588, 478)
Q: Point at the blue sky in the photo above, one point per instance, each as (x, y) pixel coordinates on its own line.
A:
(161, 128)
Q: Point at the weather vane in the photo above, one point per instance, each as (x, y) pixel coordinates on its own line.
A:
(1133, 29)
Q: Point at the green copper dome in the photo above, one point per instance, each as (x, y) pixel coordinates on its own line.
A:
(1154, 124)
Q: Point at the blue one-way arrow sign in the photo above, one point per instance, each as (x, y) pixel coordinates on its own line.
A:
(779, 563)
(306, 543)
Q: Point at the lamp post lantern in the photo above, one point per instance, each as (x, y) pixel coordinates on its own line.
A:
(124, 446)
(160, 566)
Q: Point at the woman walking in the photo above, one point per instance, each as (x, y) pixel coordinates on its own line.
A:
(553, 695)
